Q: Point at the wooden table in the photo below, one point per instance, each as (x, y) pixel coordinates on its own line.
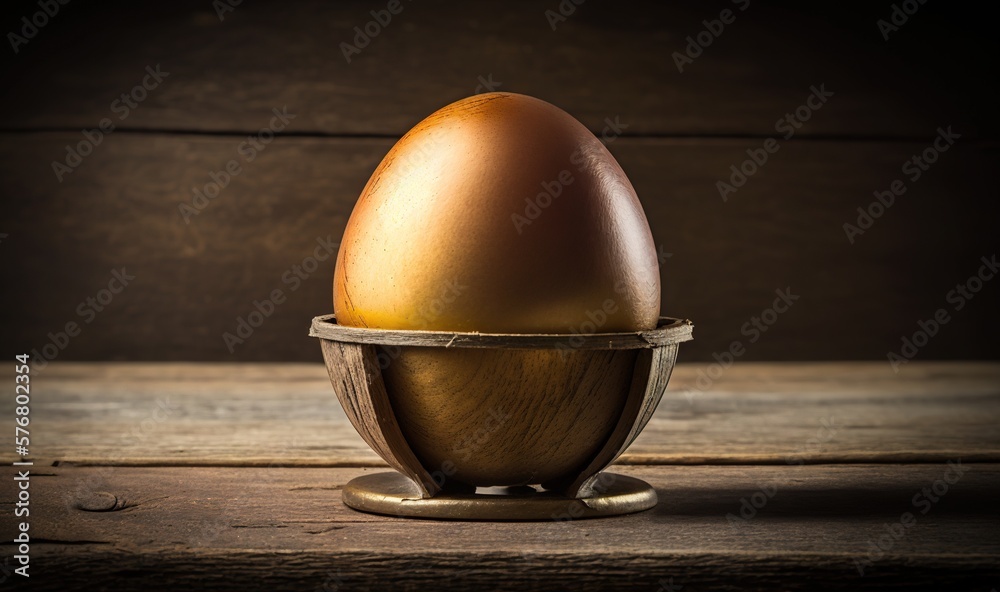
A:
(772, 476)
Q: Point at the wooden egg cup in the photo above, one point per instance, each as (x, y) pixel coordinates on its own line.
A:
(573, 403)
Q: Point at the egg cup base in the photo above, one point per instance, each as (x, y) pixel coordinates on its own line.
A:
(393, 494)
(357, 358)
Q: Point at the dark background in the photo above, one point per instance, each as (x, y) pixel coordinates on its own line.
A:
(783, 228)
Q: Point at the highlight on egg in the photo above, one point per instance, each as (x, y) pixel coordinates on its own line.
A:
(499, 213)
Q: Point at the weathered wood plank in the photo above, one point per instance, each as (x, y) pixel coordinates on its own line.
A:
(287, 415)
(187, 528)
(605, 61)
(722, 261)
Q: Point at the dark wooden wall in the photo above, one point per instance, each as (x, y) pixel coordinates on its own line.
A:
(607, 60)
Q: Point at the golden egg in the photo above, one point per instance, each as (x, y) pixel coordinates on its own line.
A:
(501, 213)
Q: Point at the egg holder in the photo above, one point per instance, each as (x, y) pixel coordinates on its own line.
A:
(356, 358)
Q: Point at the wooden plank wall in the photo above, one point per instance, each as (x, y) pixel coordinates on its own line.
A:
(606, 62)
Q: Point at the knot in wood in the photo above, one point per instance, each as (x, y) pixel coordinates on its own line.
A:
(97, 501)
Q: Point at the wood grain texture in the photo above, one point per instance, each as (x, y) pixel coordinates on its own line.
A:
(605, 61)
(234, 497)
(661, 368)
(508, 416)
(287, 415)
(240, 528)
(357, 381)
(485, 410)
(722, 261)
(650, 374)
(669, 331)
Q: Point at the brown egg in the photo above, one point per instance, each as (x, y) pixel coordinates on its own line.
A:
(498, 213)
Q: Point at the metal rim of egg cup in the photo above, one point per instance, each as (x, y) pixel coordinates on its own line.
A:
(352, 359)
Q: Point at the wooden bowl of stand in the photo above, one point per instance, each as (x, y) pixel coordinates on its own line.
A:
(498, 426)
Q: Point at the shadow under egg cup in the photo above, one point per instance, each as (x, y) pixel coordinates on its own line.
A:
(499, 426)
